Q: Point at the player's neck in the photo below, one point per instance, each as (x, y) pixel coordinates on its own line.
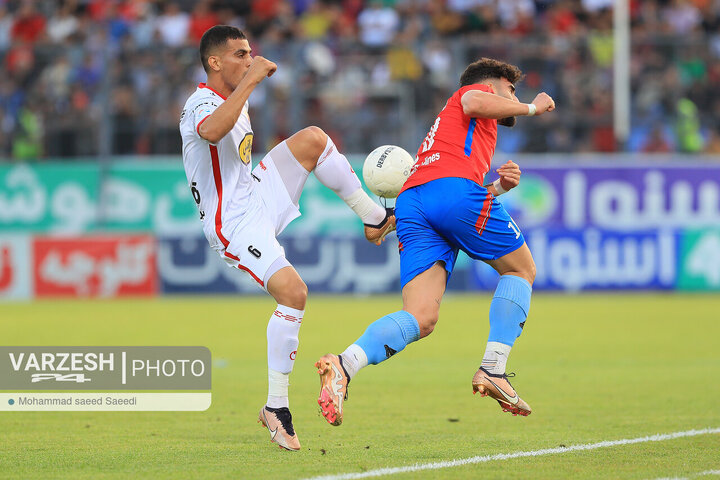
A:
(218, 86)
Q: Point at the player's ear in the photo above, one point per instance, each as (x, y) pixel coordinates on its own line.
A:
(214, 62)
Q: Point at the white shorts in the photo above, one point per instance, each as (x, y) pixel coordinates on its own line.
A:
(273, 205)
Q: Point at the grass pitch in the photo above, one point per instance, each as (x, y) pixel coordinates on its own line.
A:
(593, 368)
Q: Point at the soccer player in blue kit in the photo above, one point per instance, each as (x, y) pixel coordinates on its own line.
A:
(444, 207)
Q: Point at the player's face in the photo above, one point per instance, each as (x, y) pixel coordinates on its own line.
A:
(235, 61)
(506, 89)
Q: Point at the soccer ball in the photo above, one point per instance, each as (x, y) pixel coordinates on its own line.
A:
(386, 169)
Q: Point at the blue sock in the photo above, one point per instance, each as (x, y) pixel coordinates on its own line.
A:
(509, 309)
(388, 335)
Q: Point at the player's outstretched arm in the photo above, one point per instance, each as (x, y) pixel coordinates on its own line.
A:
(478, 104)
(222, 120)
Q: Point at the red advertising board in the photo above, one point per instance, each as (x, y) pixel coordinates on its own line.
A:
(15, 261)
(94, 266)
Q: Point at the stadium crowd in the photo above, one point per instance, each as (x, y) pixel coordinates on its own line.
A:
(101, 77)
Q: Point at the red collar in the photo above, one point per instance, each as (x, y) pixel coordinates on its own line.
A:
(202, 85)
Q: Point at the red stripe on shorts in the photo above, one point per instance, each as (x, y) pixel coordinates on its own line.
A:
(484, 214)
(243, 267)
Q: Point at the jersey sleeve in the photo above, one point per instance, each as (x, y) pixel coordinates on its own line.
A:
(202, 109)
(474, 86)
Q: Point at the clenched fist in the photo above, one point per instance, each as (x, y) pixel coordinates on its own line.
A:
(509, 174)
(260, 67)
(544, 103)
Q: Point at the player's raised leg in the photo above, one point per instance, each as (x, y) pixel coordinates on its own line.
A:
(290, 292)
(508, 310)
(316, 152)
(382, 339)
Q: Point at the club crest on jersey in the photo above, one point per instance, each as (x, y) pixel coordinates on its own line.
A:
(245, 148)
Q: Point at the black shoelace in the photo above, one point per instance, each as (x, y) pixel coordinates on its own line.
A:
(506, 376)
(283, 414)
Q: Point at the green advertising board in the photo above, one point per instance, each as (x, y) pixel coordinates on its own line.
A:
(133, 196)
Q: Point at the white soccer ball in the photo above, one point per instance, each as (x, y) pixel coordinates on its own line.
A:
(386, 169)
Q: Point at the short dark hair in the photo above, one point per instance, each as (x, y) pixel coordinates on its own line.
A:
(214, 37)
(490, 68)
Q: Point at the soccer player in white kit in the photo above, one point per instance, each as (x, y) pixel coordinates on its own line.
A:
(244, 209)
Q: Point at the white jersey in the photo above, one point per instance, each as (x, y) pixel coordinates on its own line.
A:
(219, 175)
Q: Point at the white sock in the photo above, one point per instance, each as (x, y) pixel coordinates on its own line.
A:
(282, 341)
(363, 206)
(278, 389)
(334, 171)
(354, 358)
(495, 358)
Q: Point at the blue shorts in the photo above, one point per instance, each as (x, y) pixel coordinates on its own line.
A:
(437, 219)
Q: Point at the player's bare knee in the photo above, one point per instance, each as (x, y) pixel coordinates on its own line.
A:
(426, 317)
(314, 141)
(299, 295)
(295, 296)
(290, 292)
(427, 325)
(529, 270)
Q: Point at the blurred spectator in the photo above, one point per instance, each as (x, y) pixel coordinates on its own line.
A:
(687, 127)
(20, 61)
(6, 24)
(62, 24)
(124, 118)
(562, 18)
(683, 17)
(201, 19)
(173, 25)
(143, 30)
(444, 20)
(377, 25)
(713, 144)
(27, 139)
(403, 63)
(656, 142)
(315, 22)
(371, 71)
(29, 25)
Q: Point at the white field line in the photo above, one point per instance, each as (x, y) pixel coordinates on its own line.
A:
(692, 475)
(507, 456)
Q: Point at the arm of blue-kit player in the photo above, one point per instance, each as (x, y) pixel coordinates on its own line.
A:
(509, 178)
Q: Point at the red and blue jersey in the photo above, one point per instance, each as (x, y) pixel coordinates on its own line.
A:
(456, 145)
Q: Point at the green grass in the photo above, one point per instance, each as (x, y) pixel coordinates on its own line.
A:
(593, 368)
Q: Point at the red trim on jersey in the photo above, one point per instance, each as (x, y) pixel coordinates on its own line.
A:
(198, 125)
(202, 85)
(243, 267)
(218, 187)
(484, 214)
